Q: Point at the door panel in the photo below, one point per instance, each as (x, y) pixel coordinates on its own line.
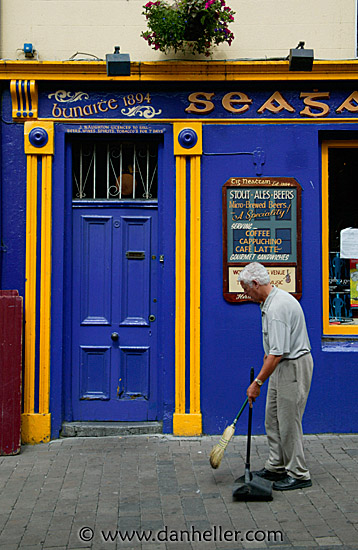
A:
(114, 357)
(135, 372)
(96, 260)
(135, 282)
(95, 368)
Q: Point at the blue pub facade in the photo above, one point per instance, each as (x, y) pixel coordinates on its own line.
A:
(128, 207)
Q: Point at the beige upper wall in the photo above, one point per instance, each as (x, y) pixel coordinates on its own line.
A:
(263, 28)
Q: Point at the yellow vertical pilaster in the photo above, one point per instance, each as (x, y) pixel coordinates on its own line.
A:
(30, 284)
(45, 296)
(180, 286)
(195, 269)
(187, 423)
(39, 148)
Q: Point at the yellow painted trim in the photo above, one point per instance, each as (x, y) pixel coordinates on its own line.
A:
(187, 424)
(21, 108)
(45, 292)
(30, 285)
(325, 239)
(35, 428)
(198, 147)
(180, 284)
(195, 270)
(14, 101)
(48, 148)
(191, 423)
(203, 120)
(174, 71)
(327, 328)
(34, 97)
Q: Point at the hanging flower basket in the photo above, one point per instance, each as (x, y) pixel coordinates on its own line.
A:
(188, 25)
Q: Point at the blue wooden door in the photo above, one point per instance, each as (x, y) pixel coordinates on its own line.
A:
(114, 313)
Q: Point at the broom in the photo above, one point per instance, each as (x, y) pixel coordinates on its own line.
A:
(218, 450)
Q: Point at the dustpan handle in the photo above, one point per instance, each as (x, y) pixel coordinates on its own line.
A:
(248, 448)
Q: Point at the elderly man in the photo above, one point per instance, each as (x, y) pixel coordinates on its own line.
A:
(288, 364)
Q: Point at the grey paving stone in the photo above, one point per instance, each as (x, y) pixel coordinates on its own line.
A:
(328, 541)
(140, 483)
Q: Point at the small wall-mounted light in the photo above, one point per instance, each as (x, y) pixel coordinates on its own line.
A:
(118, 64)
(301, 59)
(29, 50)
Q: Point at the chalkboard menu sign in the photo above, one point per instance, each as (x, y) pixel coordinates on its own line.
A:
(262, 223)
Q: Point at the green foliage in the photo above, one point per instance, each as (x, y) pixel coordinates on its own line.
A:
(188, 25)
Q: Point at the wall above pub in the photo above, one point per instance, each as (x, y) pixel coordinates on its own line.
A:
(60, 28)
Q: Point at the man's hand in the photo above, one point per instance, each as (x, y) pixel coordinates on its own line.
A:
(253, 391)
(270, 363)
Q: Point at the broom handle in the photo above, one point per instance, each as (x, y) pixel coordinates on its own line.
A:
(248, 449)
(240, 411)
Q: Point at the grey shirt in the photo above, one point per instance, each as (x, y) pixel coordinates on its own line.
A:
(284, 329)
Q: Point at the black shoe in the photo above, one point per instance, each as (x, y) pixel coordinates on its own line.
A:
(290, 483)
(271, 476)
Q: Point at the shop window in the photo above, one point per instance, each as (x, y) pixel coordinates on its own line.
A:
(114, 170)
(340, 275)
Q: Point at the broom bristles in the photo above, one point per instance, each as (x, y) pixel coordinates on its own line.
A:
(218, 450)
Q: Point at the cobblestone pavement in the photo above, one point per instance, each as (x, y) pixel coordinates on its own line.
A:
(80, 493)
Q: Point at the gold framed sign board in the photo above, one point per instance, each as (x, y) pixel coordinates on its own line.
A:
(262, 223)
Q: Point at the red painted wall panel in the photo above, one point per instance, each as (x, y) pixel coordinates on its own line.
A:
(10, 371)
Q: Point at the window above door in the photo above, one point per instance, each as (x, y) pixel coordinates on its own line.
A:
(115, 170)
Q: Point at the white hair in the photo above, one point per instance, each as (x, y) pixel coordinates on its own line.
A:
(254, 272)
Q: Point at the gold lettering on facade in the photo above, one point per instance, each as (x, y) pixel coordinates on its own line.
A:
(275, 104)
(87, 110)
(102, 106)
(64, 112)
(77, 111)
(236, 98)
(236, 103)
(56, 111)
(309, 99)
(348, 104)
(112, 104)
(195, 102)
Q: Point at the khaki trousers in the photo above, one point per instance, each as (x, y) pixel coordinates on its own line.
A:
(287, 394)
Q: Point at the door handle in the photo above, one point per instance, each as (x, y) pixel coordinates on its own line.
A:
(115, 336)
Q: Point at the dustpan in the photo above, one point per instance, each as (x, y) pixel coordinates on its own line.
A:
(251, 486)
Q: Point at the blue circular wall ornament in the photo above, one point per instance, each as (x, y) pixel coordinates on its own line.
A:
(187, 138)
(38, 137)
